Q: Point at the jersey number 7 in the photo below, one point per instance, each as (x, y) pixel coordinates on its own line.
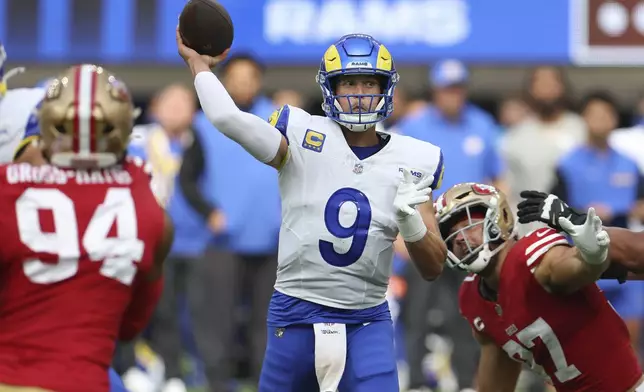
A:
(540, 329)
(118, 254)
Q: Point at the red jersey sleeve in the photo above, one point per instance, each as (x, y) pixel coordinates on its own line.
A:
(537, 243)
(145, 296)
(145, 293)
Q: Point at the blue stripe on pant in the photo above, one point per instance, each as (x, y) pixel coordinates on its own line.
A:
(289, 362)
(116, 384)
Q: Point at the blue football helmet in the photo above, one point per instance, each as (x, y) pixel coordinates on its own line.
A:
(357, 54)
(4, 76)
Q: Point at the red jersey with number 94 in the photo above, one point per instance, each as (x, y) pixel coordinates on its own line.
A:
(72, 243)
(578, 340)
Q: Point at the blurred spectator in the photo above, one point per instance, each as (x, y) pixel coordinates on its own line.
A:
(532, 148)
(162, 144)
(401, 110)
(596, 175)
(513, 110)
(415, 104)
(464, 132)
(638, 112)
(288, 97)
(173, 109)
(467, 136)
(242, 264)
(630, 141)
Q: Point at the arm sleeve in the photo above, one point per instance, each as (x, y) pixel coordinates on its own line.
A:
(145, 297)
(189, 174)
(254, 134)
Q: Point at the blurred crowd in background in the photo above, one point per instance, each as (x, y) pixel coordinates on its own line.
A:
(539, 134)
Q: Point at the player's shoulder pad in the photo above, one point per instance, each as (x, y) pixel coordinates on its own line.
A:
(287, 116)
(31, 130)
(24, 96)
(32, 127)
(279, 118)
(534, 245)
(423, 156)
(22, 102)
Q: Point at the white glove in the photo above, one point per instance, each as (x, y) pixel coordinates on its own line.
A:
(409, 195)
(590, 238)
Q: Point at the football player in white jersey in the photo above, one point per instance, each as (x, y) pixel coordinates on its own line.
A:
(16, 108)
(347, 192)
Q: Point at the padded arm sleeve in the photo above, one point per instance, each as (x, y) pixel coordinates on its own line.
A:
(256, 135)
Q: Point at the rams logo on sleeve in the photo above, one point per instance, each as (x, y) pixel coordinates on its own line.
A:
(274, 116)
(279, 119)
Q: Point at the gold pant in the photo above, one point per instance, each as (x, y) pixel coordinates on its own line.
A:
(9, 388)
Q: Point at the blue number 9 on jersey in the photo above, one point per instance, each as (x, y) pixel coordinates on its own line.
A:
(359, 230)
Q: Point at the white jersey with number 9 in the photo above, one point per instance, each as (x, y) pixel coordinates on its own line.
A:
(338, 218)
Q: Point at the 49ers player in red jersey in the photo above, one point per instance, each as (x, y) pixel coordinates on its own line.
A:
(533, 300)
(83, 241)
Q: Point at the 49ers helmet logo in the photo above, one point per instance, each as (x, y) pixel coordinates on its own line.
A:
(484, 190)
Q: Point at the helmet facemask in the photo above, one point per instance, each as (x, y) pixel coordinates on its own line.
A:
(356, 119)
(353, 55)
(479, 207)
(477, 256)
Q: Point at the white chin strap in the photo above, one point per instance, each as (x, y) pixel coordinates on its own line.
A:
(483, 258)
(359, 122)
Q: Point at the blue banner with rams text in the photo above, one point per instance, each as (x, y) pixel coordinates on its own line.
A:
(294, 32)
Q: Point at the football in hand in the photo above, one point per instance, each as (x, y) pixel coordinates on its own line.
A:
(205, 26)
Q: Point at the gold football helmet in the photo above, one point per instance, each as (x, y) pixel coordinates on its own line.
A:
(480, 205)
(86, 118)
